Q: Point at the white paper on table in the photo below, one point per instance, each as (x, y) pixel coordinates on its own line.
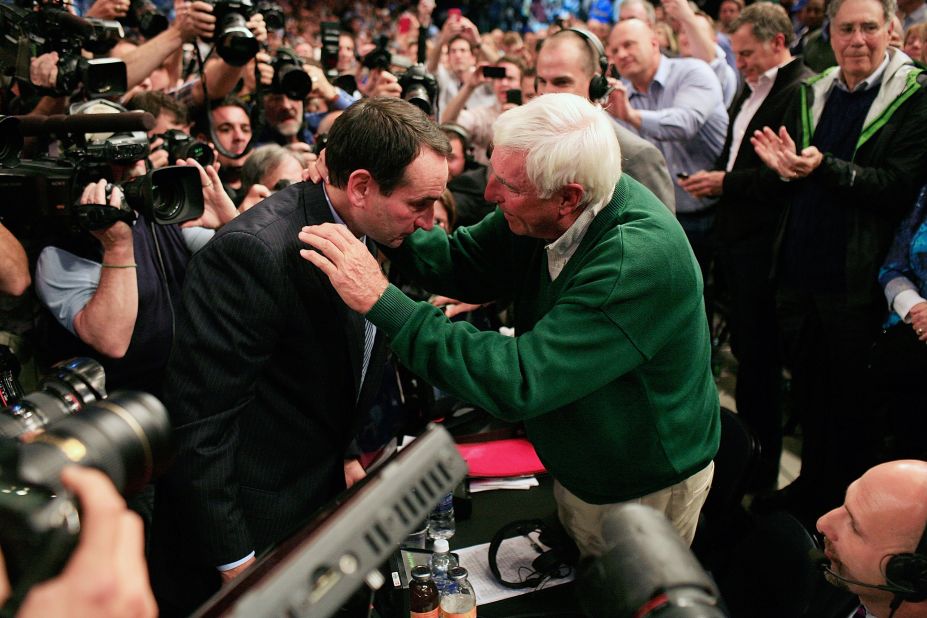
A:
(513, 553)
(488, 484)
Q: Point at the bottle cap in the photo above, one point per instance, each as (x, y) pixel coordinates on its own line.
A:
(441, 546)
(457, 573)
(421, 573)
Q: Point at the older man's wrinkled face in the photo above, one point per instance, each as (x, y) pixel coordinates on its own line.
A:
(283, 113)
(859, 36)
(509, 187)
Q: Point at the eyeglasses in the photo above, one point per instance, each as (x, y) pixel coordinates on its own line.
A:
(867, 29)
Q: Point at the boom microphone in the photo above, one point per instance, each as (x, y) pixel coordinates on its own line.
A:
(822, 562)
(60, 124)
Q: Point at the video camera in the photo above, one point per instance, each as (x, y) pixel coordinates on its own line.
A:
(289, 76)
(44, 193)
(70, 420)
(28, 33)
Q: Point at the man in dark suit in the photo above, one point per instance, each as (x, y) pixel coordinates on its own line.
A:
(271, 373)
(748, 217)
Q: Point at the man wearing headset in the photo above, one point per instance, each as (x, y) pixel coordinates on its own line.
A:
(875, 541)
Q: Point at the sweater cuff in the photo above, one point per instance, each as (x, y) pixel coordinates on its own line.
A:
(392, 311)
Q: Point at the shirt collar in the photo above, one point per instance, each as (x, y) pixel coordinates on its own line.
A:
(870, 82)
(770, 75)
(561, 250)
(662, 73)
(335, 214)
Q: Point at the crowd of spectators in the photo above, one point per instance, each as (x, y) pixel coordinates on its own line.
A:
(789, 140)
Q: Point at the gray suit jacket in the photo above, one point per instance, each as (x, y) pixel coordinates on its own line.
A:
(645, 163)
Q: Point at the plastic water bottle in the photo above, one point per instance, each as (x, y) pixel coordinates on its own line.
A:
(440, 563)
(459, 600)
(441, 520)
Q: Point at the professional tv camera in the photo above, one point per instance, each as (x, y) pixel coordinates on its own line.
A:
(28, 33)
(289, 77)
(126, 435)
(43, 193)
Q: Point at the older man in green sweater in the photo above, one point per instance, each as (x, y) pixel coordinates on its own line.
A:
(609, 368)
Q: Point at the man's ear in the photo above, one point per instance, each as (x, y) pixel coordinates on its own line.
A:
(359, 187)
(571, 196)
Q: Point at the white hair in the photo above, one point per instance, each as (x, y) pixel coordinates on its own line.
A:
(567, 139)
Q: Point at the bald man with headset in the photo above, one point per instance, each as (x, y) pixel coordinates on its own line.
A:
(875, 544)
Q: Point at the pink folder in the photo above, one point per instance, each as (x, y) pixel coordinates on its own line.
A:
(511, 457)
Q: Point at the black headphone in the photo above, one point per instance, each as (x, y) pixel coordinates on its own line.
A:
(907, 572)
(557, 562)
(464, 135)
(598, 85)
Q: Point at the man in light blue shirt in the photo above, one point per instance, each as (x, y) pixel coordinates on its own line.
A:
(676, 103)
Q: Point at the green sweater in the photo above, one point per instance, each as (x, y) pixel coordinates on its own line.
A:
(610, 367)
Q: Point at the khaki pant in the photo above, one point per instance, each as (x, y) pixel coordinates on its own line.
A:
(681, 503)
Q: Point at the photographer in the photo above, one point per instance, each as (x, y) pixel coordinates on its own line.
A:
(193, 20)
(170, 114)
(106, 575)
(231, 127)
(287, 119)
(117, 296)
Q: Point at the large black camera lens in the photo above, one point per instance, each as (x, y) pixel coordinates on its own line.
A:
(127, 436)
(292, 80)
(168, 195)
(235, 43)
(418, 96)
(73, 385)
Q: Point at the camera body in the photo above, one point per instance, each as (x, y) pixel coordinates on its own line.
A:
(180, 146)
(146, 18)
(289, 76)
(273, 14)
(420, 88)
(380, 56)
(28, 33)
(330, 34)
(235, 43)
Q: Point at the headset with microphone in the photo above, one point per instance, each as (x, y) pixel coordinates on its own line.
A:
(905, 574)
